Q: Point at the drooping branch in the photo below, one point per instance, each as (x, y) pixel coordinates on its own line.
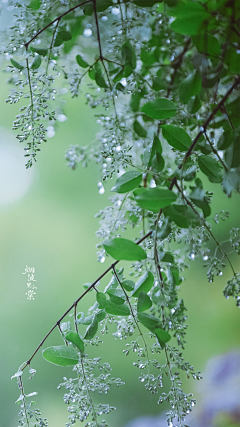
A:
(209, 119)
(173, 183)
(55, 20)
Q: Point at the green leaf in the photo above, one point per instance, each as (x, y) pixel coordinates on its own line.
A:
(127, 71)
(127, 182)
(129, 55)
(144, 302)
(128, 285)
(117, 296)
(232, 153)
(211, 168)
(75, 339)
(191, 18)
(100, 80)
(194, 104)
(146, 3)
(61, 355)
(158, 162)
(176, 137)
(162, 336)
(81, 62)
(100, 6)
(190, 86)
(135, 101)
(35, 4)
(198, 197)
(65, 35)
(207, 43)
(140, 131)
(91, 74)
(182, 215)
(124, 249)
(154, 199)
(16, 64)
(42, 52)
(100, 315)
(231, 181)
(144, 283)
(159, 109)
(167, 257)
(150, 322)
(101, 298)
(151, 150)
(232, 58)
(91, 329)
(36, 62)
(116, 309)
(58, 40)
(147, 57)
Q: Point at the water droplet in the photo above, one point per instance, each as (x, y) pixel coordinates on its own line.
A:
(62, 118)
(115, 11)
(152, 183)
(104, 18)
(118, 148)
(87, 32)
(201, 129)
(220, 273)
(101, 190)
(191, 255)
(205, 257)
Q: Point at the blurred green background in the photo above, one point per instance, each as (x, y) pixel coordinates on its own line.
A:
(47, 222)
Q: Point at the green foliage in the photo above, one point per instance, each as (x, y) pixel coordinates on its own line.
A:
(162, 78)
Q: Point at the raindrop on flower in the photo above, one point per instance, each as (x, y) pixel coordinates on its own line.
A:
(191, 255)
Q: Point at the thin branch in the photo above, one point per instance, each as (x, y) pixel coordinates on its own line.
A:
(209, 119)
(215, 152)
(207, 227)
(176, 63)
(133, 315)
(24, 401)
(55, 20)
(51, 45)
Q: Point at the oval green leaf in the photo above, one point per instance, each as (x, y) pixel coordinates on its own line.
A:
(117, 296)
(81, 62)
(16, 64)
(36, 62)
(144, 283)
(182, 215)
(162, 336)
(124, 249)
(127, 182)
(61, 355)
(128, 285)
(154, 199)
(176, 137)
(150, 322)
(75, 339)
(144, 302)
(91, 329)
(100, 80)
(211, 168)
(116, 309)
(190, 86)
(159, 109)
